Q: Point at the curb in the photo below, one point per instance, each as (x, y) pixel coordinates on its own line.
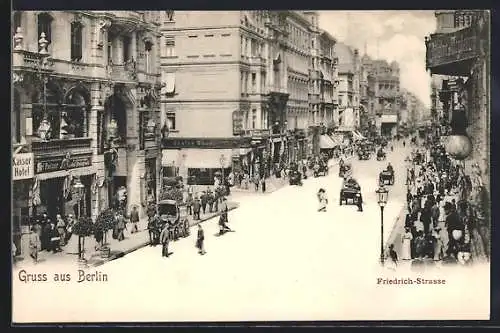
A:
(395, 226)
(121, 254)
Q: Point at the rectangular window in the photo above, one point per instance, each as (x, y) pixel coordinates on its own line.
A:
(76, 41)
(254, 118)
(171, 120)
(68, 123)
(254, 82)
(45, 26)
(170, 47)
(16, 21)
(148, 47)
(126, 41)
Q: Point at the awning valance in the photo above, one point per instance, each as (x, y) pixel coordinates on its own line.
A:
(64, 173)
(207, 158)
(326, 143)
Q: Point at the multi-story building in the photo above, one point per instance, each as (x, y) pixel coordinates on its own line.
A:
(367, 97)
(85, 85)
(459, 53)
(323, 81)
(236, 93)
(349, 70)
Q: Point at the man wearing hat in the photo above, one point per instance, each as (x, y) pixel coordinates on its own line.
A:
(196, 208)
(164, 239)
(200, 239)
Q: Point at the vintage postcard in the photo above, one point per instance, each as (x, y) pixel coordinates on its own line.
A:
(179, 166)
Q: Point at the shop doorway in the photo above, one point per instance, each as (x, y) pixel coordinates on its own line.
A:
(51, 194)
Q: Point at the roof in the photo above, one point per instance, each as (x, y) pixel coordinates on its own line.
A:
(346, 57)
(167, 201)
(328, 36)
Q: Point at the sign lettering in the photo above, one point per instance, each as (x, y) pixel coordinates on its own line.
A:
(23, 166)
(60, 163)
(209, 143)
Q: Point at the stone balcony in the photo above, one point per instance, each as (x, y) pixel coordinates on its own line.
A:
(452, 53)
(61, 147)
(25, 60)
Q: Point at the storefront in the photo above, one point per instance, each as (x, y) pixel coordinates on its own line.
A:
(54, 189)
(150, 186)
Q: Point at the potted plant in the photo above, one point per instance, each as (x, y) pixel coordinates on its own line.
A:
(83, 228)
(105, 222)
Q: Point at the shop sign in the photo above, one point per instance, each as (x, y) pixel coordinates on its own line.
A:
(237, 122)
(23, 166)
(208, 143)
(50, 164)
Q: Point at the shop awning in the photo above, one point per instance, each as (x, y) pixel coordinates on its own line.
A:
(207, 158)
(169, 157)
(358, 135)
(326, 143)
(336, 140)
(64, 173)
(169, 81)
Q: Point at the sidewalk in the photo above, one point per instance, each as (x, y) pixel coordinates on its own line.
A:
(132, 242)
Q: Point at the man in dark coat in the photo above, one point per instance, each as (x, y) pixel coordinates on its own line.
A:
(210, 200)
(196, 208)
(151, 229)
(164, 239)
(45, 238)
(200, 240)
(204, 201)
(134, 219)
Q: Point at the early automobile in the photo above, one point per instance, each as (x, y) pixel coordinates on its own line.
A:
(175, 214)
(381, 155)
(386, 177)
(350, 193)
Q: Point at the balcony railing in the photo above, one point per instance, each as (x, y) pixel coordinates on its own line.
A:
(62, 146)
(30, 60)
(444, 49)
(125, 72)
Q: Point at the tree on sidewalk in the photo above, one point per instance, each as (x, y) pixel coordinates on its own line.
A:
(105, 221)
(83, 228)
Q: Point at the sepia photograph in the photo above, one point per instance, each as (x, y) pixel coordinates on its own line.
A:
(250, 165)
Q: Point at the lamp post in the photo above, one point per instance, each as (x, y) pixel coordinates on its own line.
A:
(382, 194)
(222, 160)
(78, 186)
(112, 134)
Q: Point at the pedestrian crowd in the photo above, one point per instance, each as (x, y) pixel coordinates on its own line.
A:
(440, 219)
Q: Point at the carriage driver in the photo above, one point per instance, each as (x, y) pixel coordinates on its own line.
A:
(389, 167)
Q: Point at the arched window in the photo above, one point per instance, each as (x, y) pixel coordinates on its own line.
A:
(45, 26)
(76, 41)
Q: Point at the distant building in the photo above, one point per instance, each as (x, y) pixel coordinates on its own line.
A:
(349, 70)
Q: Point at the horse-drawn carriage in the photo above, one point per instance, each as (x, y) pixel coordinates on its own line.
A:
(350, 193)
(175, 214)
(364, 153)
(320, 169)
(381, 155)
(386, 177)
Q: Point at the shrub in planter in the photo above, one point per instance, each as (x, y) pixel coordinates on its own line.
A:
(105, 221)
(83, 228)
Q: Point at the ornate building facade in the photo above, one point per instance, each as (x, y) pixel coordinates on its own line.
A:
(85, 104)
(237, 91)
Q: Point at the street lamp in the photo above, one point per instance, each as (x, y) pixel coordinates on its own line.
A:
(222, 160)
(111, 133)
(382, 194)
(79, 187)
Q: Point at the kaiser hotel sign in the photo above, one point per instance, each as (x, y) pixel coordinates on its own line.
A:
(23, 166)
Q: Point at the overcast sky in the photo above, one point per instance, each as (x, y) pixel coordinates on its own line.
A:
(400, 36)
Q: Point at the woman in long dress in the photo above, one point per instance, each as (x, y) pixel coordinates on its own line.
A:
(406, 238)
(323, 200)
